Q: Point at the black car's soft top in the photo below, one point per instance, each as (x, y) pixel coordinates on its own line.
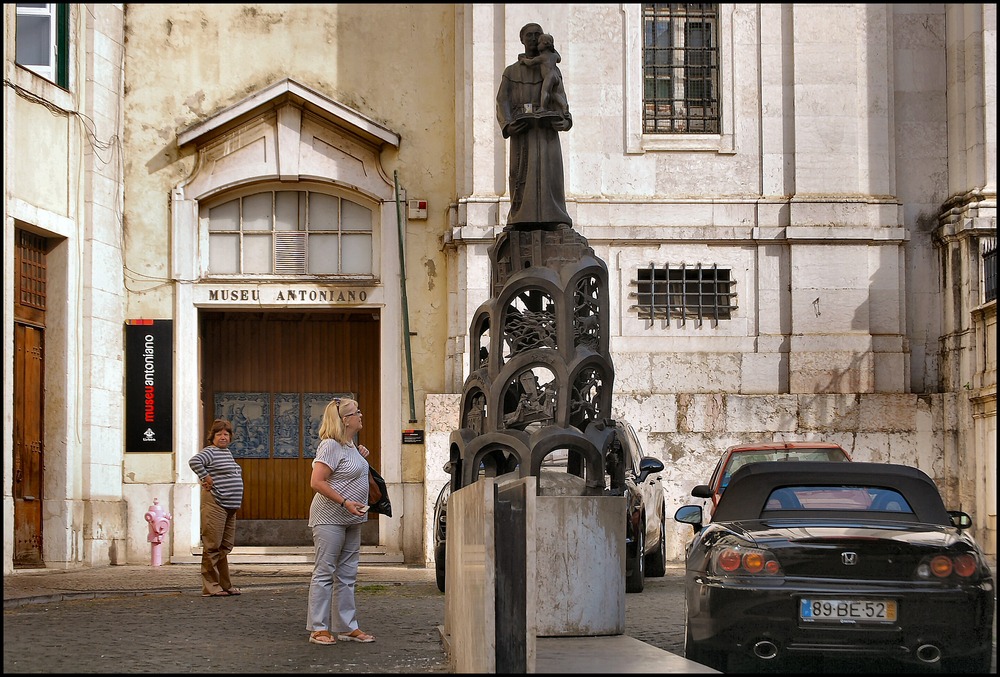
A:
(751, 485)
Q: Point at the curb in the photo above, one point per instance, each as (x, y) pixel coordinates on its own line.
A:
(75, 595)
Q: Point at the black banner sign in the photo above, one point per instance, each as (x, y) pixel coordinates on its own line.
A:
(149, 385)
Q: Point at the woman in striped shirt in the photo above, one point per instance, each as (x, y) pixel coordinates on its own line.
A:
(338, 510)
(221, 482)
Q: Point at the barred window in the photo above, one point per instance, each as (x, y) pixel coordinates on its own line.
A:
(31, 270)
(989, 256)
(680, 68)
(290, 232)
(684, 292)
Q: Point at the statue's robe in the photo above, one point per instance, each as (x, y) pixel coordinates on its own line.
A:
(537, 191)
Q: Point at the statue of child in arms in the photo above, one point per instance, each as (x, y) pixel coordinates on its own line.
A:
(537, 192)
(552, 96)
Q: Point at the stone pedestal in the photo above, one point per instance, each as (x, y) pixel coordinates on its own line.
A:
(572, 581)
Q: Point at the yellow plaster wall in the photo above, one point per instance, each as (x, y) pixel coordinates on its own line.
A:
(392, 63)
(44, 184)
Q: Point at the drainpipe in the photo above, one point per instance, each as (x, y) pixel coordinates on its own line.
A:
(406, 311)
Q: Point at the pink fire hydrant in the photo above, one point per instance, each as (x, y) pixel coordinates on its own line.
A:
(159, 521)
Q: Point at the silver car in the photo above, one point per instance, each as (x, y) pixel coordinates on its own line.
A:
(638, 479)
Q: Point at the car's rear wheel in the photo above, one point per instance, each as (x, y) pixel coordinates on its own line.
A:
(708, 657)
(635, 575)
(439, 555)
(656, 561)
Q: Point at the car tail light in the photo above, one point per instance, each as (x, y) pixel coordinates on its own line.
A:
(729, 560)
(965, 565)
(753, 562)
(740, 560)
(942, 566)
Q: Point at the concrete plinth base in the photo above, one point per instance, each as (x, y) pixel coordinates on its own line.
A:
(573, 579)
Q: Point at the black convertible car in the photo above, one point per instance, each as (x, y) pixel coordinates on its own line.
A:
(860, 560)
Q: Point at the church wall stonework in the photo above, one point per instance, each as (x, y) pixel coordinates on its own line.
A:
(689, 432)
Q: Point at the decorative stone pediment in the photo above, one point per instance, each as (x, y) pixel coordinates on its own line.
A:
(289, 133)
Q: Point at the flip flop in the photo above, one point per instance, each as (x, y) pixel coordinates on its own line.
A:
(356, 636)
(221, 593)
(234, 591)
(322, 637)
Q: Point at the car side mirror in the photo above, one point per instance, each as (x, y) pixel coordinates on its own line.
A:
(648, 466)
(702, 491)
(690, 514)
(960, 520)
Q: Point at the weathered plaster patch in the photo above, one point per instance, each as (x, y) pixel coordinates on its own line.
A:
(431, 270)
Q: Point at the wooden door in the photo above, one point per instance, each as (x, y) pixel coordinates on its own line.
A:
(29, 370)
(264, 368)
(29, 364)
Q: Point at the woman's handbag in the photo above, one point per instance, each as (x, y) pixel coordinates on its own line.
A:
(378, 495)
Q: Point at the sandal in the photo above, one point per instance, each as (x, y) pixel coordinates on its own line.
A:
(356, 636)
(234, 591)
(324, 637)
(220, 593)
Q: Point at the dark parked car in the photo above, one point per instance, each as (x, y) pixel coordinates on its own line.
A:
(440, 535)
(645, 522)
(829, 558)
(740, 455)
(630, 474)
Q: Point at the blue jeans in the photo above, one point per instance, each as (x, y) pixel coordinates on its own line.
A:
(338, 551)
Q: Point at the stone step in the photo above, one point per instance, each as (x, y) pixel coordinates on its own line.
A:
(370, 554)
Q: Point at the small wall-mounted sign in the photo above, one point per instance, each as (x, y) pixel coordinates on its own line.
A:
(416, 209)
(413, 437)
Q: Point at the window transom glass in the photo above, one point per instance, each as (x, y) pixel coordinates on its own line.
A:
(290, 232)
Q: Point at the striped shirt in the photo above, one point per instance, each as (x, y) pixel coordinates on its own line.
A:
(227, 477)
(349, 478)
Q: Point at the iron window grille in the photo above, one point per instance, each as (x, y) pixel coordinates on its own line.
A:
(684, 292)
(31, 270)
(680, 68)
(989, 256)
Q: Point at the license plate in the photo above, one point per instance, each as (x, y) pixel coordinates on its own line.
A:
(859, 610)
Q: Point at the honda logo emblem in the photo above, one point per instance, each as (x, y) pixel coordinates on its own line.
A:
(849, 558)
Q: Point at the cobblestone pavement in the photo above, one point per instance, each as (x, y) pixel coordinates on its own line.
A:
(141, 619)
(261, 631)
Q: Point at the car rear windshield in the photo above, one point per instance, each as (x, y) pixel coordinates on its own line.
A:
(854, 498)
(742, 458)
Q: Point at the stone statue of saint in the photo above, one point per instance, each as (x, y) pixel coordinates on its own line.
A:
(537, 191)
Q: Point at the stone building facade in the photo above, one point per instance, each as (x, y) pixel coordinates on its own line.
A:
(844, 201)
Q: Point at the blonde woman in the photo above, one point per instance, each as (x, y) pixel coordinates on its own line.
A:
(338, 510)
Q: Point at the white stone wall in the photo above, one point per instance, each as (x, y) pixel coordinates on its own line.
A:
(855, 169)
(690, 432)
(821, 195)
(63, 161)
